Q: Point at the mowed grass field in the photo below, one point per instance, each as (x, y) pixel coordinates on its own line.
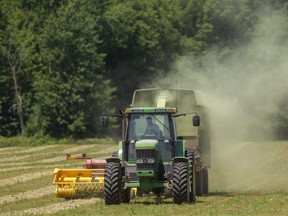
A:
(248, 179)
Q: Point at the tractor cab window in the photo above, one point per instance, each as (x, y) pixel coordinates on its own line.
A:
(149, 126)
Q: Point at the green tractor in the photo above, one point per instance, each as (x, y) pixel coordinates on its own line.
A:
(151, 157)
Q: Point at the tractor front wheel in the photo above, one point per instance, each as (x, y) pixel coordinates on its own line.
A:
(181, 183)
(112, 184)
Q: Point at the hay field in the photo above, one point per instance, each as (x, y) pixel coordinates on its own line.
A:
(251, 179)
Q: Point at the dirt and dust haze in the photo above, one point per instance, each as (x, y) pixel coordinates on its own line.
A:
(244, 89)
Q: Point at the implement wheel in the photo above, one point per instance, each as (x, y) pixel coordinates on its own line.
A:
(181, 181)
(125, 195)
(205, 181)
(112, 184)
(202, 182)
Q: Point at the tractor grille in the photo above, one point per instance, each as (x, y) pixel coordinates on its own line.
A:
(145, 166)
(148, 154)
(145, 159)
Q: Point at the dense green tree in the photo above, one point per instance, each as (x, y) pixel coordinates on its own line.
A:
(70, 91)
(7, 117)
(216, 24)
(16, 48)
(140, 39)
(58, 68)
(60, 60)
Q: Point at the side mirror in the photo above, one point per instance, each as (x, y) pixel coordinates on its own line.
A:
(196, 121)
(104, 121)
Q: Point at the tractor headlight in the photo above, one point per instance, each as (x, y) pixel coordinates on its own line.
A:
(139, 161)
(151, 160)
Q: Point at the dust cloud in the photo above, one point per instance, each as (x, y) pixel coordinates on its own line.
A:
(245, 90)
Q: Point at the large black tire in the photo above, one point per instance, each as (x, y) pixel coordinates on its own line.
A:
(190, 156)
(181, 181)
(112, 184)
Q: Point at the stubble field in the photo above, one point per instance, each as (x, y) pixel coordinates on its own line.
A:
(247, 179)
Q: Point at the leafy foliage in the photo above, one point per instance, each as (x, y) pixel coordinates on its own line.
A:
(75, 56)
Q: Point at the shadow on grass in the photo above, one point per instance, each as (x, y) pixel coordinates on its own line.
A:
(222, 194)
(153, 201)
(247, 193)
(162, 201)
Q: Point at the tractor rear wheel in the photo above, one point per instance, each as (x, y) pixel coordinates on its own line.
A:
(181, 183)
(189, 153)
(112, 184)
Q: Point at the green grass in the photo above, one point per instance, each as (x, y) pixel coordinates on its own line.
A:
(22, 204)
(222, 204)
(268, 196)
(46, 140)
(28, 185)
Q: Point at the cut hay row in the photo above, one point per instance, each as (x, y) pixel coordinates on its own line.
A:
(27, 195)
(31, 166)
(25, 150)
(31, 193)
(24, 178)
(29, 152)
(52, 208)
(8, 149)
(44, 164)
(38, 169)
(13, 158)
(62, 158)
(77, 149)
(19, 163)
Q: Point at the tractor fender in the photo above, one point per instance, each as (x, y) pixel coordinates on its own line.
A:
(180, 159)
(113, 159)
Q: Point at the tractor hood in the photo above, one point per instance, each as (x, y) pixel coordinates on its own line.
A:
(146, 144)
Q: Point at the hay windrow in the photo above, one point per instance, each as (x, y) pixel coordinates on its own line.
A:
(25, 177)
(53, 208)
(30, 194)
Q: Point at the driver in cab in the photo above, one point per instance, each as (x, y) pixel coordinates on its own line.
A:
(152, 129)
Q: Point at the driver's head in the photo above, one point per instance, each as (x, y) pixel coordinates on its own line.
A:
(149, 120)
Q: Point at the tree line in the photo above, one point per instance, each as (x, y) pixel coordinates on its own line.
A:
(64, 62)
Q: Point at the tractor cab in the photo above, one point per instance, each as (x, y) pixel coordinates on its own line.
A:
(150, 125)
